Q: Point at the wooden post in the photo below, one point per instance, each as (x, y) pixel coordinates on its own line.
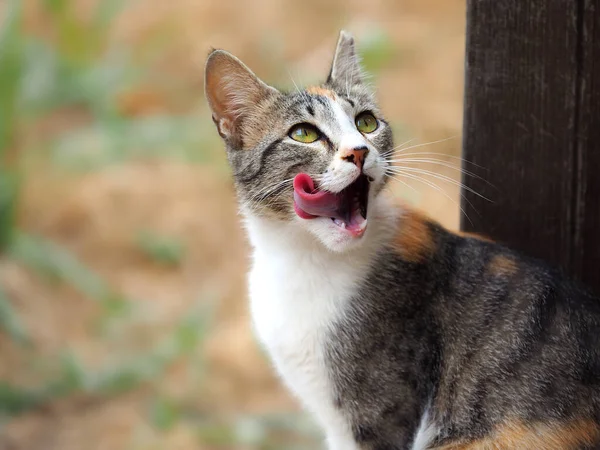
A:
(532, 119)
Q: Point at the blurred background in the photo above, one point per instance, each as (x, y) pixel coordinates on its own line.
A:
(123, 318)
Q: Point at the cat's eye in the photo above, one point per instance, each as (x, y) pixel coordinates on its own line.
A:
(304, 133)
(366, 122)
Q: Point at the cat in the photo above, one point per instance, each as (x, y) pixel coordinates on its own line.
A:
(392, 331)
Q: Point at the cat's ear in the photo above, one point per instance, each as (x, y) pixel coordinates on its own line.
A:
(233, 92)
(345, 68)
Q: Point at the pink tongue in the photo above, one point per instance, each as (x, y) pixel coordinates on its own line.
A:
(310, 204)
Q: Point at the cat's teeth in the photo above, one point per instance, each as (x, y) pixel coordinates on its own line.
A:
(340, 223)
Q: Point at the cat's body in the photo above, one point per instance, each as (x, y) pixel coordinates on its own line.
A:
(396, 335)
(299, 292)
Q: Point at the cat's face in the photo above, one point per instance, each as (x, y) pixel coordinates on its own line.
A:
(312, 157)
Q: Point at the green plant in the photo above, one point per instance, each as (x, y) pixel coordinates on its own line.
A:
(11, 65)
(10, 74)
(376, 50)
(77, 71)
(10, 322)
(111, 380)
(165, 250)
(71, 66)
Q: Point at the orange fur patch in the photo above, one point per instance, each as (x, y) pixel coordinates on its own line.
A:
(502, 265)
(516, 436)
(479, 237)
(317, 90)
(414, 241)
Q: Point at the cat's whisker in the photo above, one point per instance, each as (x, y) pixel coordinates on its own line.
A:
(399, 148)
(261, 198)
(427, 143)
(392, 150)
(405, 184)
(438, 162)
(263, 193)
(437, 188)
(301, 92)
(293, 81)
(446, 179)
(429, 160)
(444, 155)
(397, 169)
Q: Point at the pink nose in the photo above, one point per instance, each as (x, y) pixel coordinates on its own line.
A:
(355, 155)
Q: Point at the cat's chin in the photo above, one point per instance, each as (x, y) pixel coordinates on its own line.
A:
(333, 236)
(338, 238)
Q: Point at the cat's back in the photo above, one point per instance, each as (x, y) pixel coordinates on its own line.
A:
(480, 340)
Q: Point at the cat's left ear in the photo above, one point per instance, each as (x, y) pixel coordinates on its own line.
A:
(345, 69)
(234, 94)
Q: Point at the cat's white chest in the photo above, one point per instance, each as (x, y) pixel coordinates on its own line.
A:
(294, 304)
(296, 296)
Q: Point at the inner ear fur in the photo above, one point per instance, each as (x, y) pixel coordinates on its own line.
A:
(233, 93)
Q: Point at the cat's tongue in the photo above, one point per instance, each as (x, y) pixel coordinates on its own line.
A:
(310, 203)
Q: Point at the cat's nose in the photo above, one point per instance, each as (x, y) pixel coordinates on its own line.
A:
(355, 155)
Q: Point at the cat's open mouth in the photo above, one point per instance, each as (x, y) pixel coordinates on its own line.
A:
(347, 209)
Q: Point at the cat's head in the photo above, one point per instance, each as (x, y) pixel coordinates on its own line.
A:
(312, 157)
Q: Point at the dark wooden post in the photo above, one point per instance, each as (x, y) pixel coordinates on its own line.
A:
(532, 119)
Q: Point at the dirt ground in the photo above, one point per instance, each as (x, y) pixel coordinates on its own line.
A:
(95, 214)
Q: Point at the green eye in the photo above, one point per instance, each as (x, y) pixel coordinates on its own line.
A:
(304, 133)
(366, 122)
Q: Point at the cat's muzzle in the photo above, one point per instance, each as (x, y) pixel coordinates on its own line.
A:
(347, 208)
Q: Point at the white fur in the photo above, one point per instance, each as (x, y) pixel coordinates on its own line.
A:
(298, 290)
(425, 433)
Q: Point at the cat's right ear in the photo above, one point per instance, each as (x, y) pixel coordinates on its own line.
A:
(233, 93)
(345, 68)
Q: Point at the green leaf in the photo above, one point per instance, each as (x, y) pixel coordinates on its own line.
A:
(73, 373)
(10, 72)
(188, 335)
(106, 11)
(376, 50)
(9, 321)
(216, 434)
(161, 136)
(9, 188)
(164, 414)
(56, 7)
(162, 249)
(14, 400)
(57, 263)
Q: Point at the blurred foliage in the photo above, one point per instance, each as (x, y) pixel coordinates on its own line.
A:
(376, 50)
(56, 264)
(115, 141)
(10, 322)
(73, 377)
(165, 250)
(10, 74)
(77, 69)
